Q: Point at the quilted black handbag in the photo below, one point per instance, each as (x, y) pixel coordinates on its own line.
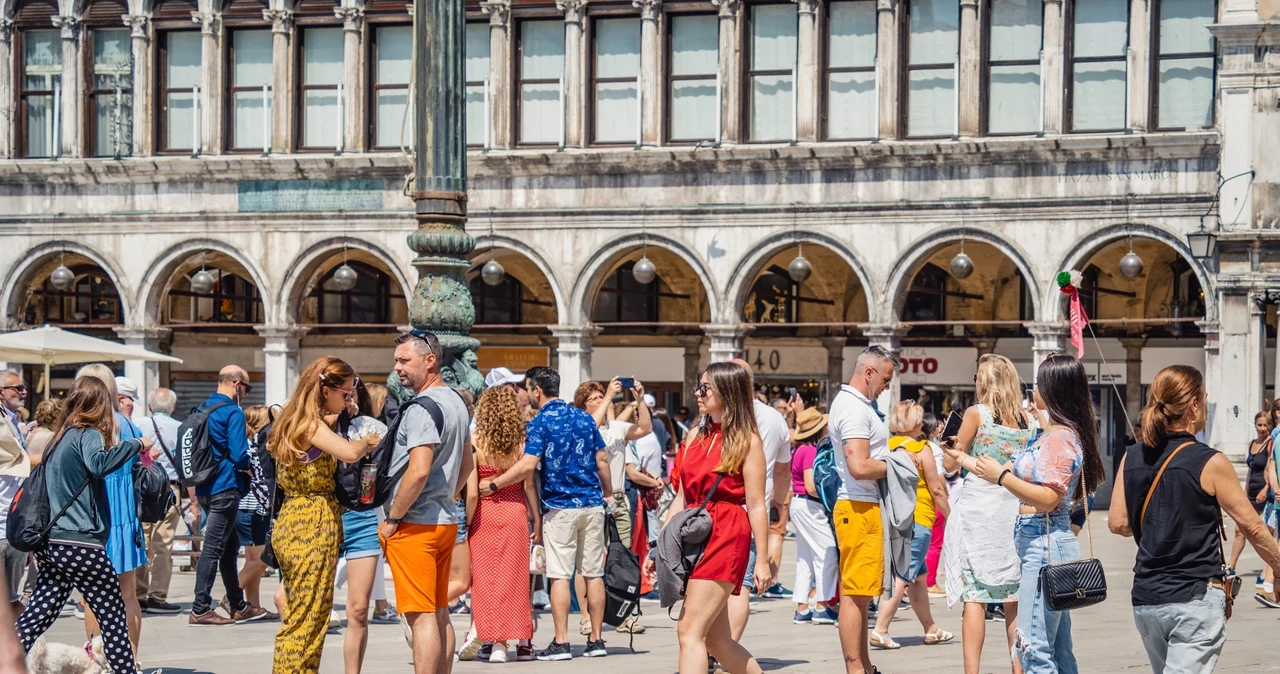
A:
(1075, 584)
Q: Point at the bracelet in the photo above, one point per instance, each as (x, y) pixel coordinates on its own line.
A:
(1003, 475)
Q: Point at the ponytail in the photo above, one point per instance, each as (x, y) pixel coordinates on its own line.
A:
(1173, 391)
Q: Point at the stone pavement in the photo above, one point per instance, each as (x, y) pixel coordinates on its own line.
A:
(1105, 638)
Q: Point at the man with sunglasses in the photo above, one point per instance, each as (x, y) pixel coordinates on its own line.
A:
(13, 394)
(219, 498)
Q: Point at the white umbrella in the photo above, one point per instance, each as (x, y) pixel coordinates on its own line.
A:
(48, 345)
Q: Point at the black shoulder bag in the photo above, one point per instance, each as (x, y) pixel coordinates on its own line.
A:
(1075, 584)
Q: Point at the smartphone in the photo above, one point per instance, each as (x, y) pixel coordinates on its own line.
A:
(952, 428)
(792, 390)
(628, 383)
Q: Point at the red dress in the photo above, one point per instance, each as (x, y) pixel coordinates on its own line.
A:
(499, 538)
(729, 545)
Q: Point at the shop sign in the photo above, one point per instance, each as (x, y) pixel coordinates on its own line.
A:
(951, 366)
(787, 360)
(516, 358)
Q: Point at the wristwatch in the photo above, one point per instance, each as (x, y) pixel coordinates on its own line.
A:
(493, 486)
(391, 520)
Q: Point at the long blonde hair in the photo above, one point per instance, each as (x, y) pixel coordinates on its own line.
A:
(999, 388)
(104, 374)
(732, 383)
(290, 436)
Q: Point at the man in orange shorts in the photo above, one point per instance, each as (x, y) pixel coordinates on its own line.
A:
(432, 447)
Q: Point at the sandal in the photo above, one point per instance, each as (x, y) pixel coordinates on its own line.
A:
(939, 637)
(884, 641)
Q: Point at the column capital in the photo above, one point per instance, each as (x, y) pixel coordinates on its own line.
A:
(352, 18)
(886, 5)
(689, 341)
(573, 10)
(881, 331)
(649, 9)
(137, 24)
(280, 338)
(728, 8)
(1046, 329)
(726, 330)
(807, 6)
(499, 11)
(209, 22)
(281, 20)
(6, 30)
(969, 4)
(834, 343)
(69, 25)
(580, 336)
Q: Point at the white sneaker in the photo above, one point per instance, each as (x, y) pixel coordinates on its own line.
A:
(334, 621)
(499, 654)
(470, 646)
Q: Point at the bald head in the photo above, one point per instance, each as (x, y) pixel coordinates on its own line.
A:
(745, 365)
(231, 380)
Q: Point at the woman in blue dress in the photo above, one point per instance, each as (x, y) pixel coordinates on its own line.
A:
(125, 546)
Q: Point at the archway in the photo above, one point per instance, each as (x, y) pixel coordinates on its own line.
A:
(92, 303)
(514, 314)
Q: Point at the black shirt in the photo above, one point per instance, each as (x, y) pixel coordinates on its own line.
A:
(1178, 544)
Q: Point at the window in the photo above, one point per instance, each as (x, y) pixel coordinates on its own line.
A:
(250, 89)
(1184, 64)
(111, 93)
(933, 49)
(541, 81)
(623, 299)
(233, 300)
(393, 49)
(179, 84)
(851, 71)
(774, 298)
(497, 305)
(93, 299)
(615, 82)
(41, 91)
(370, 301)
(321, 89)
(927, 299)
(478, 84)
(1013, 66)
(771, 75)
(693, 103)
(1099, 65)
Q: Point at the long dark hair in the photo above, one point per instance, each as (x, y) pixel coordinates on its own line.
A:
(660, 416)
(1064, 388)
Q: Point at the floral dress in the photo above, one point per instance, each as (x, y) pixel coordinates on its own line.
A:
(982, 562)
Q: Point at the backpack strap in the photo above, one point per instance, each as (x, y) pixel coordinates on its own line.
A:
(1160, 473)
(222, 456)
(432, 408)
(703, 506)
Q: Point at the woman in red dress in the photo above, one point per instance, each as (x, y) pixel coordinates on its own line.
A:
(726, 442)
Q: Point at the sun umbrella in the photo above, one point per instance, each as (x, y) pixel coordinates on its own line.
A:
(48, 345)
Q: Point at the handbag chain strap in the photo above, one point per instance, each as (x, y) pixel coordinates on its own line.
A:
(1088, 528)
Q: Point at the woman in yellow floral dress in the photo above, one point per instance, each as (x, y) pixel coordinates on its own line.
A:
(309, 528)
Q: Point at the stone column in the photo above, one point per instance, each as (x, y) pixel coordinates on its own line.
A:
(1133, 376)
(888, 336)
(888, 66)
(1052, 64)
(575, 88)
(500, 84)
(72, 87)
(1139, 62)
(692, 357)
(727, 341)
(282, 66)
(650, 71)
(142, 112)
(7, 143)
(354, 114)
(969, 88)
(574, 352)
(835, 362)
(1237, 393)
(1046, 338)
(1240, 110)
(211, 82)
(731, 130)
(808, 71)
(1212, 373)
(280, 360)
(145, 374)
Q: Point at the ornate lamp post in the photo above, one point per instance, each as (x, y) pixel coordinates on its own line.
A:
(441, 301)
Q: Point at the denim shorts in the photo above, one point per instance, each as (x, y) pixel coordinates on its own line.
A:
(360, 535)
(252, 527)
(460, 507)
(919, 551)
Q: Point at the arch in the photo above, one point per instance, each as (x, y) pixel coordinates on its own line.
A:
(500, 241)
(920, 250)
(601, 262)
(34, 259)
(750, 265)
(309, 261)
(1095, 240)
(161, 271)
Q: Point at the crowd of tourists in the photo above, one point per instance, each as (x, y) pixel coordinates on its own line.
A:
(514, 498)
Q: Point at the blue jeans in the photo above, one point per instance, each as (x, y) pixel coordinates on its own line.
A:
(1043, 642)
(1184, 638)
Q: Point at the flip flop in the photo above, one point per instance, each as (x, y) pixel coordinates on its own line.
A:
(884, 641)
(939, 637)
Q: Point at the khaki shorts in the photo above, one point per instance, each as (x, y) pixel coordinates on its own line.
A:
(859, 537)
(574, 538)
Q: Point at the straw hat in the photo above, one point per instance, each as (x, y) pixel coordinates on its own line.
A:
(13, 460)
(808, 423)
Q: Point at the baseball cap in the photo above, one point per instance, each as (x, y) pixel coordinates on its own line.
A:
(126, 388)
(501, 375)
(650, 400)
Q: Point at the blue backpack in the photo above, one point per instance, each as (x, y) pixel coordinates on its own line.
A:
(826, 474)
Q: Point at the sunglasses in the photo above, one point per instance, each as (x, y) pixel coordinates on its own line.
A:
(347, 393)
(702, 390)
(247, 386)
(20, 388)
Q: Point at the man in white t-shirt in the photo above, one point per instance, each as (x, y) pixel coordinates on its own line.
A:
(863, 439)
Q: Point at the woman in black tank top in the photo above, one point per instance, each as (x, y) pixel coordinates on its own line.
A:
(1255, 486)
(1169, 499)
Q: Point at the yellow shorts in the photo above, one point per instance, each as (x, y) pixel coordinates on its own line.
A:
(859, 535)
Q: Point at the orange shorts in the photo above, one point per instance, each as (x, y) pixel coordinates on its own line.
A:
(419, 556)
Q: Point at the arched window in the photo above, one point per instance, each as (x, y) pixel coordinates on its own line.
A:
(233, 300)
(622, 299)
(93, 299)
(774, 298)
(927, 298)
(368, 302)
(497, 305)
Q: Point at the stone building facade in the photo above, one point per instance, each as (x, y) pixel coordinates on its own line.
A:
(719, 139)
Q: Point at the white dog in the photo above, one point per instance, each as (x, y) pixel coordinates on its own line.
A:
(55, 658)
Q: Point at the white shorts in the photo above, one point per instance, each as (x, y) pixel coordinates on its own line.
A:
(574, 538)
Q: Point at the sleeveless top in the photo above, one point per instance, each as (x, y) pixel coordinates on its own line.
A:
(1178, 543)
(998, 441)
(926, 512)
(308, 478)
(1257, 470)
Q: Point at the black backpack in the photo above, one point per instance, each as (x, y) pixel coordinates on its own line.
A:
(152, 492)
(621, 578)
(29, 522)
(196, 462)
(346, 478)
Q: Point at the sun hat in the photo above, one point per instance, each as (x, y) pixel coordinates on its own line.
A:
(808, 423)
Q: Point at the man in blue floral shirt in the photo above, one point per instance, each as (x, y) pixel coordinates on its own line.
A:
(565, 441)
